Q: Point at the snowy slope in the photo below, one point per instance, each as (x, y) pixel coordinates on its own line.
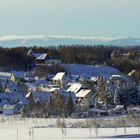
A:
(90, 71)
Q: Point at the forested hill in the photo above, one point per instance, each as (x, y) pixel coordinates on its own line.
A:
(16, 58)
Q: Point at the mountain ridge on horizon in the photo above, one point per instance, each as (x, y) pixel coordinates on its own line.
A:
(53, 40)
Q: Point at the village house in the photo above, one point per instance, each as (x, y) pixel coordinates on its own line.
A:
(59, 79)
(132, 56)
(8, 82)
(74, 87)
(9, 109)
(43, 58)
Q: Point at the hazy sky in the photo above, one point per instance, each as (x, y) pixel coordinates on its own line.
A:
(108, 18)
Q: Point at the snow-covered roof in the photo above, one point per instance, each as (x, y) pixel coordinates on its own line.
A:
(58, 76)
(5, 74)
(120, 77)
(10, 85)
(52, 89)
(41, 57)
(97, 110)
(132, 72)
(74, 87)
(83, 93)
(28, 94)
(8, 107)
(118, 107)
(93, 78)
(37, 54)
(18, 74)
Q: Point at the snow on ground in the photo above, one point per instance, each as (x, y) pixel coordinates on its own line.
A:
(13, 128)
(90, 71)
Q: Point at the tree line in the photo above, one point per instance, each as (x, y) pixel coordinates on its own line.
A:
(17, 59)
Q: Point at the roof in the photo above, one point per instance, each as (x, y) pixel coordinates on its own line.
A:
(118, 107)
(30, 52)
(9, 107)
(28, 94)
(42, 56)
(120, 77)
(83, 93)
(18, 74)
(5, 74)
(75, 87)
(52, 89)
(37, 54)
(97, 110)
(93, 78)
(58, 76)
(12, 87)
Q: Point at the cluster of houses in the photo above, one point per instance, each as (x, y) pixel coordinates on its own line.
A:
(132, 56)
(105, 82)
(12, 99)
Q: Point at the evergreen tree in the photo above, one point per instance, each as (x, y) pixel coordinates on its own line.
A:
(1, 87)
(60, 104)
(50, 106)
(70, 106)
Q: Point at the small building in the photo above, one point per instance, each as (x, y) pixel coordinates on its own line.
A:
(29, 96)
(9, 86)
(9, 109)
(58, 78)
(97, 112)
(13, 75)
(75, 87)
(43, 58)
(40, 60)
(83, 93)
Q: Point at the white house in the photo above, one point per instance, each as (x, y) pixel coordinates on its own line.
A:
(58, 78)
(83, 93)
(43, 58)
(9, 109)
(75, 87)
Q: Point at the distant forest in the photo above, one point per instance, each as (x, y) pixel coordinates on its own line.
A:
(17, 59)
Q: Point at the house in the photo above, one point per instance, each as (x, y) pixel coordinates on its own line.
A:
(75, 87)
(9, 86)
(12, 75)
(3, 101)
(9, 109)
(97, 112)
(29, 96)
(83, 93)
(58, 78)
(43, 58)
(133, 56)
(135, 74)
(87, 97)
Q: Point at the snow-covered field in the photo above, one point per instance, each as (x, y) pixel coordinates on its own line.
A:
(13, 128)
(90, 71)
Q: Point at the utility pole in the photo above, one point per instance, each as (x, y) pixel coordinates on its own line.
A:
(17, 133)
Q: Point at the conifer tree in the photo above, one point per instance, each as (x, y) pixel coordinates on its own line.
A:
(1, 87)
(70, 106)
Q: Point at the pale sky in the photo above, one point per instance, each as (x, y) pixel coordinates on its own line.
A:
(107, 18)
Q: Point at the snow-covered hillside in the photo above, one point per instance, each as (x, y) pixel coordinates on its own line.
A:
(90, 71)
